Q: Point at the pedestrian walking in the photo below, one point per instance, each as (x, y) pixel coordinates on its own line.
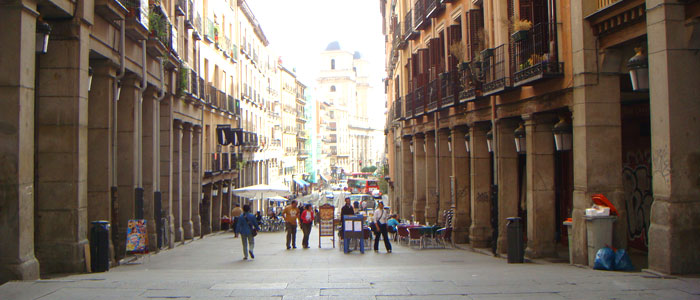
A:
(307, 221)
(290, 215)
(380, 221)
(247, 227)
(235, 214)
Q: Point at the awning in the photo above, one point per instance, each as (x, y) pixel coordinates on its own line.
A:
(301, 182)
(323, 178)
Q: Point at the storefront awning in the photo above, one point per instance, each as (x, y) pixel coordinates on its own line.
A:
(323, 178)
(301, 182)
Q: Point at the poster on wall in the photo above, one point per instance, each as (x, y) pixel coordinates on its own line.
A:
(136, 237)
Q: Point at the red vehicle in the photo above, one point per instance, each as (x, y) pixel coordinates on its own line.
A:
(362, 186)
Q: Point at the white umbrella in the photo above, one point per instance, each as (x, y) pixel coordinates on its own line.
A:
(261, 191)
(278, 199)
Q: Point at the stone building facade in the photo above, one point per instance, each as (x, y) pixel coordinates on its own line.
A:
(125, 117)
(478, 111)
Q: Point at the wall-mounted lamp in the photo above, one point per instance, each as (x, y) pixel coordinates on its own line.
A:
(489, 141)
(449, 143)
(43, 30)
(214, 192)
(425, 149)
(410, 146)
(519, 134)
(119, 90)
(639, 70)
(90, 73)
(467, 136)
(563, 139)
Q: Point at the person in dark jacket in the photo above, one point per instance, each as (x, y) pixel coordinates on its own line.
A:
(245, 225)
(344, 211)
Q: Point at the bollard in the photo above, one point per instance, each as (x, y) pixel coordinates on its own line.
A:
(99, 246)
(515, 240)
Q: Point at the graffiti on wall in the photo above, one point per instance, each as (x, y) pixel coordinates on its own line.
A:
(636, 183)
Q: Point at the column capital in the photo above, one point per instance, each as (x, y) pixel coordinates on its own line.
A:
(177, 124)
(187, 126)
(197, 128)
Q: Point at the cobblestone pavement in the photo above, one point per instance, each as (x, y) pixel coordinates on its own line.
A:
(213, 268)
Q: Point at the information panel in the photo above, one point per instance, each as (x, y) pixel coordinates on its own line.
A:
(326, 226)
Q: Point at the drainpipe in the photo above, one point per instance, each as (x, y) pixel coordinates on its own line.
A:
(115, 99)
(158, 213)
(138, 137)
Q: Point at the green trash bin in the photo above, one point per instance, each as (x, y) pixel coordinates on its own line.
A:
(570, 234)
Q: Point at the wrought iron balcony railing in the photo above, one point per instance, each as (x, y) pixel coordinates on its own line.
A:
(450, 88)
(496, 71)
(419, 20)
(408, 112)
(605, 3)
(432, 92)
(419, 96)
(194, 83)
(534, 57)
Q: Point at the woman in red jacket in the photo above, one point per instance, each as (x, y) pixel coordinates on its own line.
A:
(307, 221)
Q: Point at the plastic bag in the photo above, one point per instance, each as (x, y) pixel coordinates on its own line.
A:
(605, 259)
(623, 261)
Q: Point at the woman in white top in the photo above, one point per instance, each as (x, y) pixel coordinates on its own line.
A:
(380, 219)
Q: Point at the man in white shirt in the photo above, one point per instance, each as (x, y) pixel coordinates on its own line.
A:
(380, 219)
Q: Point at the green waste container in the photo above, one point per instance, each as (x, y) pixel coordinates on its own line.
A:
(516, 247)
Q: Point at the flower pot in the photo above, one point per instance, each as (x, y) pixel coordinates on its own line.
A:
(463, 66)
(486, 53)
(519, 35)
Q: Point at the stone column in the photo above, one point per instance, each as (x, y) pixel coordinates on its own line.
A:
(674, 89)
(127, 156)
(186, 181)
(541, 194)
(61, 150)
(480, 162)
(206, 209)
(430, 178)
(596, 132)
(460, 172)
(507, 177)
(196, 179)
(216, 206)
(406, 184)
(149, 161)
(17, 87)
(445, 173)
(166, 170)
(101, 145)
(177, 179)
(419, 178)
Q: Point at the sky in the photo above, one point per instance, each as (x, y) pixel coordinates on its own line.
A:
(299, 30)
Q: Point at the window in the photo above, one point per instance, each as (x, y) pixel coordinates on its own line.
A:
(332, 88)
(332, 64)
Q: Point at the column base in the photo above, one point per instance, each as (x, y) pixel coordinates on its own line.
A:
(179, 234)
(197, 225)
(187, 229)
(27, 269)
(460, 236)
(480, 236)
(540, 251)
(62, 258)
(671, 250)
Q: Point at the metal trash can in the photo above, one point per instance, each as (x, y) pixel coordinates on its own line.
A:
(99, 246)
(599, 231)
(516, 247)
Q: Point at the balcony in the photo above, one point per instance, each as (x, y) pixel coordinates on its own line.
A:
(221, 100)
(408, 32)
(161, 30)
(432, 94)
(419, 96)
(302, 153)
(189, 13)
(535, 57)
(450, 88)
(419, 15)
(605, 3)
(193, 84)
(137, 19)
(433, 8)
(210, 32)
(301, 135)
(496, 72)
(202, 90)
(408, 113)
(397, 105)
(197, 28)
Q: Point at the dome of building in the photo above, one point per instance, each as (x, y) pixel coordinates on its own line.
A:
(357, 55)
(334, 45)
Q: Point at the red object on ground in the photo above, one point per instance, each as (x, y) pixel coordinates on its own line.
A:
(603, 201)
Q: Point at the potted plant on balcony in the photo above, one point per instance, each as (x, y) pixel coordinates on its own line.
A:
(521, 28)
(483, 37)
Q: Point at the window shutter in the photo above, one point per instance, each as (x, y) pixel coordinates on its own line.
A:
(476, 24)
